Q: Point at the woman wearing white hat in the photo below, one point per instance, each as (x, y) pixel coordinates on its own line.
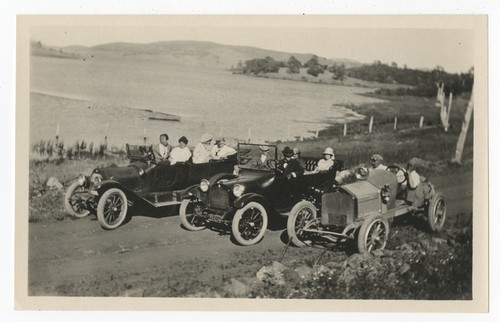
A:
(326, 163)
(201, 152)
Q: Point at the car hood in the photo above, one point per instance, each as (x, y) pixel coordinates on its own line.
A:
(119, 173)
(252, 180)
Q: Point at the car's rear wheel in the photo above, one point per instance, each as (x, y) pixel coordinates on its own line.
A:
(189, 214)
(75, 200)
(249, 224)
(112, 208)
(373, 234)
(302, 215)
(436, 212)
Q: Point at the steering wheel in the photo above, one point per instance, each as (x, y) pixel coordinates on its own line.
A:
(361, 173)
(401, 174)
(271, 164)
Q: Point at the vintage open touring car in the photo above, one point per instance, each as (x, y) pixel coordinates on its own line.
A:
(361, 211)
(243, 202)
(110, 191)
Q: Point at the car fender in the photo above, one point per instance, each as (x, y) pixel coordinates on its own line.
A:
(193, 192)
(249, 197)
(213, 180)
(109, 184)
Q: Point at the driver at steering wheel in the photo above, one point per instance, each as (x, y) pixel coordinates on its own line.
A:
(261, 162)
(289, 166)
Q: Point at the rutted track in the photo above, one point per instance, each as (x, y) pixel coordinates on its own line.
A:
(154, 256)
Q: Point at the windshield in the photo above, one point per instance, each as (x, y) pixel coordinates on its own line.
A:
(255, 156)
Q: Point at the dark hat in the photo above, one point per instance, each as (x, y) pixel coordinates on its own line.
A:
(287, 151)
(183, 139)
(165, 135)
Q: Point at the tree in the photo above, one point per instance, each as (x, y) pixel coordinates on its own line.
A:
(338, 71)
(313, 61)
(293, 65)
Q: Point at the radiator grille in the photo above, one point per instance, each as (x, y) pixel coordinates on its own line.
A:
(219, 197)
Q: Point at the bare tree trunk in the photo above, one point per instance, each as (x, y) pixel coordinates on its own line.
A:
(465, 127)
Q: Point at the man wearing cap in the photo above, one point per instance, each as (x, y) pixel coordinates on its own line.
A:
(378, 162)
(289, 166)
(180, 153)
(326, 163)
(162, 150)
(201, 153)
(220, 150)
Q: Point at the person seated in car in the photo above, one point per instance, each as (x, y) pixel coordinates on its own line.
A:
(326, 163)
(296, 155)
(261, 162)
(201, 153)
(180, 153)
(162, 150)
(415, 189)
(289, 166)
(378, 162)
(220, 150)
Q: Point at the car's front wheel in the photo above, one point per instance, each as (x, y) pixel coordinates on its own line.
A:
(373, 234)
(436, 212)
(189, 213)
(302, 215)
(75, 200)
(112, 208)
(249, 224)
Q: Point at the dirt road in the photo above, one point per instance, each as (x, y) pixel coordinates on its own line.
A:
(153, 256)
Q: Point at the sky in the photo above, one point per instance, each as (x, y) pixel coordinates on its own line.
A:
(420, 47)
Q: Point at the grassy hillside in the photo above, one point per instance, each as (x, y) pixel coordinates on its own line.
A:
(197, 53)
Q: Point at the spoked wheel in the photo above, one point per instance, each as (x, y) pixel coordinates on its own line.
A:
(112, 208)
(303, 215)
(249, 224)
(75, 200)
(189, 214)
(373, 234)
(436, 212)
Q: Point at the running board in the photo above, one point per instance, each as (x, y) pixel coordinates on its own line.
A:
(166, 203)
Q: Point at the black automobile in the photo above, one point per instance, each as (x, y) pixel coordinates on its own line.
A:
(242, 202)
(109, 192)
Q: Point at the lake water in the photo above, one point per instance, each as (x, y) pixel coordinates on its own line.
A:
(96, 97)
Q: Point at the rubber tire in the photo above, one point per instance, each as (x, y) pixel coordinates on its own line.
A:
(431, 212)
(290, 227)
(365, 229)
(182, 214)
(69, 192)
(102, 204)
(237, 218)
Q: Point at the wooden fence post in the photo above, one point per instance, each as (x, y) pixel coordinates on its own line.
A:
(465, 127)
(370, 126)
(317, 132)
(421, 124)
(396, 123)
(249, 134)
(288, 133)
(345, 128)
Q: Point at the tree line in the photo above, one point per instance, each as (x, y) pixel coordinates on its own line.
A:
(419, 82)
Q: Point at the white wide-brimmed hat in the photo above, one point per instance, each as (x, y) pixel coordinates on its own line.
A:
(329, 151)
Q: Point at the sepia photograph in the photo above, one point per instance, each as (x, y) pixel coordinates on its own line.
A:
(181, 161)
